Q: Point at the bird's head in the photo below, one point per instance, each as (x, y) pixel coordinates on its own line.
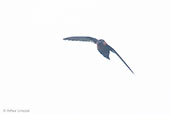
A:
(101, 41)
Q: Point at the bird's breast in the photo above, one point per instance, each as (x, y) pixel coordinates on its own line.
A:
(101, 46)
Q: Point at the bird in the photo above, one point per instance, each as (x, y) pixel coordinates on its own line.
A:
(102, 46)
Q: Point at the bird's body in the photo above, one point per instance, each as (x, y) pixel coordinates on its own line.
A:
(102, 46)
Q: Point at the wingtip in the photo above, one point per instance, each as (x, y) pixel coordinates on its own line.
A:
(64, 38)
(133, 73)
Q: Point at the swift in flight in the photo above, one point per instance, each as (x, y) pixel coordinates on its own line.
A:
(102, 46)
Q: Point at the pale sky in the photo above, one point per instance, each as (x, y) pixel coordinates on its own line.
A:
(41, 72)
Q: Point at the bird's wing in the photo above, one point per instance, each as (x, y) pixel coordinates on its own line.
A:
(81, 38)
(120, 58)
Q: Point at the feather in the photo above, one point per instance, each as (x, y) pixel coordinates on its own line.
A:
(120, 58)
(81, 38)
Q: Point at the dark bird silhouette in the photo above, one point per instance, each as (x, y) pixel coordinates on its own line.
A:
(102, 46)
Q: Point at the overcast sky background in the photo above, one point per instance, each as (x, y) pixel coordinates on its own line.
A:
(41, 72)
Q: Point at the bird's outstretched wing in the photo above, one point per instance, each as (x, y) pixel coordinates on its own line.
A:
(120, 58)
(81, 38)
